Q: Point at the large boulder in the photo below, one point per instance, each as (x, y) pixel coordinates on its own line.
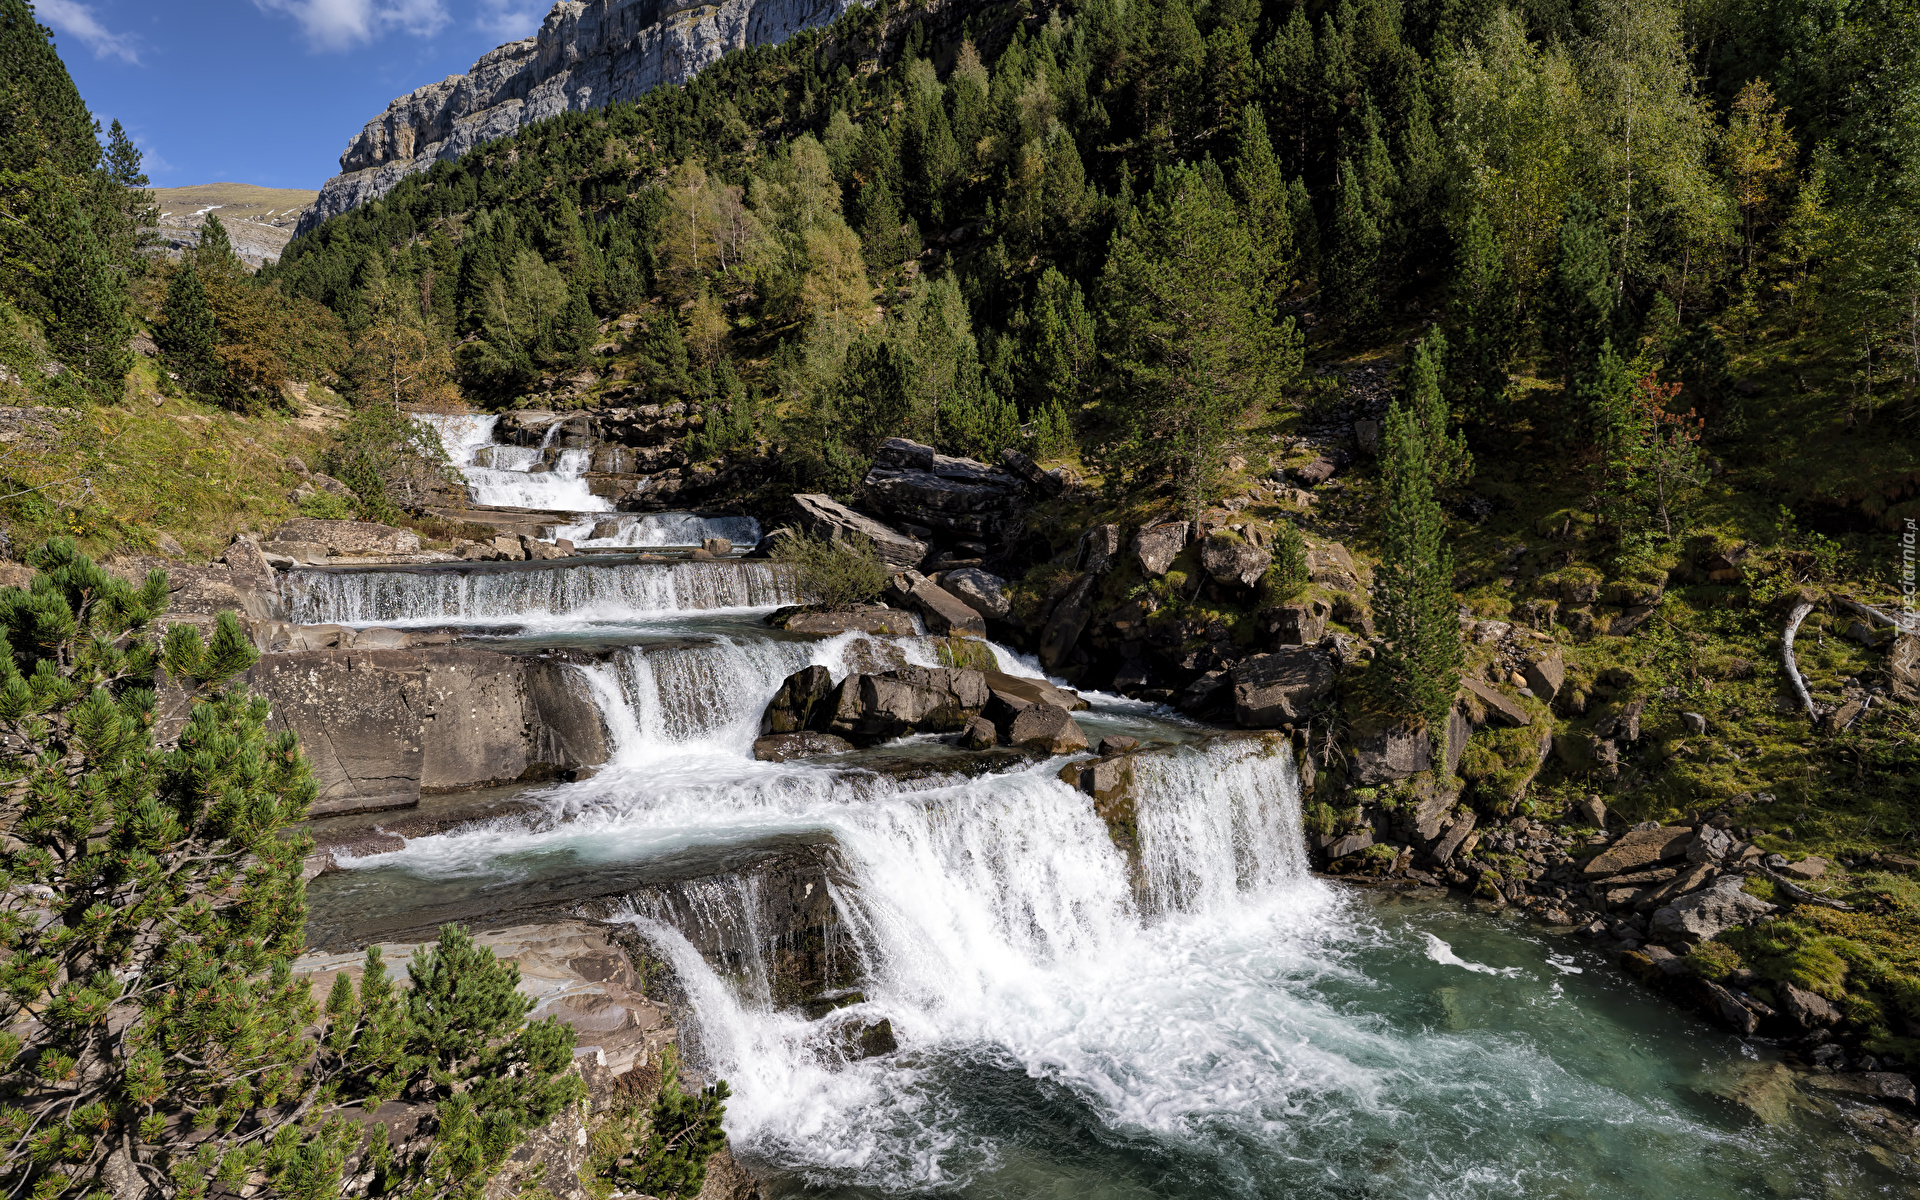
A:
(1300, 624)
(1156, 546)
(1048, 730)
(1706, 913)
(1047, 483)
(1280, 688)
(780, 747)
(1099, 549)
(1498, 707)
(945, 613)
(1231, 562)
(825, 517)
(956, 496)
(1386, 751)
(1016, 693)
(800, 703)
(1068, 621)
(1640, 849)
(907, 700)
(349, 538)
(876, 619)
(982, 591)
(1546, 674)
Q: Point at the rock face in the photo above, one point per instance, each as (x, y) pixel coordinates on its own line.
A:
(1706, 913)
(382, 726)
(983, 592)
(1279, 688)
(861, 618)
(957, 497)
(347, 537)
(825, 517)
(588, 53)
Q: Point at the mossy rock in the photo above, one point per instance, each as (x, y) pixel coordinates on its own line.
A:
(969, 654)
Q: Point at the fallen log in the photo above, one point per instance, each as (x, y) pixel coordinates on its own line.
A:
(1794, 618)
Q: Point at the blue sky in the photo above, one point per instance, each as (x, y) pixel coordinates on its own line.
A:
(265, 91)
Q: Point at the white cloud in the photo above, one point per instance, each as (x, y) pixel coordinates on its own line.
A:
(510, 20)
(338, 24)
(77, 20)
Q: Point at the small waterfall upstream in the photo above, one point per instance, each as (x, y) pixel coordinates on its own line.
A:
(576, 592)
(653, 530)
(502, 476)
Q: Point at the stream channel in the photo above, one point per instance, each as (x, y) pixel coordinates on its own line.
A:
(1210, 1020)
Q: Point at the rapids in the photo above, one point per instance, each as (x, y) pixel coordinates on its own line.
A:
(1207, 1020)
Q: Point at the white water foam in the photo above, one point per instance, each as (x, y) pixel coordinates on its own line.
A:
(649, 530)
(998, 922)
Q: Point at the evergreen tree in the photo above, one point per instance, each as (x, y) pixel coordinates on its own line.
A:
(213, 251)
(1449, 463)
(123, 159)
(1577, 309)
(879, 216)
(576, 331)
(154, 903)
(187, 336)
(42, 118)
(1481, 312)
(1351, 270)
(1417, 670)
(683, 1128)
(1263, 194)
(1188, 329)
(87, 321)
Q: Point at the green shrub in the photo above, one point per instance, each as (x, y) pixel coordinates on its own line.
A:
(1320, 819)
(683, 1132)
(392, 462)
(325, 506)
(1288, 576)
(1715, 960)
(834, 573)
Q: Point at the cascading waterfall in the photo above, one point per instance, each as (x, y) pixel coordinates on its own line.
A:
(577, 593)
(681, 699)
(997, 918)
(503, 476)
(1200, 1019)
(651, 530)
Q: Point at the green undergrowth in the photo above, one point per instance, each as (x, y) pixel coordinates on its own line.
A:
(126, 478)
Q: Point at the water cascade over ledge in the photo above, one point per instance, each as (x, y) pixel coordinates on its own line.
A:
(1153, 1000)
(533, 592)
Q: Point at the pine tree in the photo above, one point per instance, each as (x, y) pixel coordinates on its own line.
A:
(42, 118)
(1417, 670)
(87, 321)
(879, 216)
(213, 251)
(683, 1132)
(1481, 312)
(123, 159)
(1577, 309)
(176, 998)
(1190, 334)
(1352, 263)
(1263, 193)
(188, 337)
(576, 331)
(1449, 463)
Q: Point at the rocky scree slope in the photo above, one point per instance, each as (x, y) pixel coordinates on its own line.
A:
(588, 53)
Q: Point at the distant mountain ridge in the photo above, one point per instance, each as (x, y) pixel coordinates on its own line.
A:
(588, 53)
(260, 221)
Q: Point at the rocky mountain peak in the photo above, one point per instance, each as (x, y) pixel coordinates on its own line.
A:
(588, 53)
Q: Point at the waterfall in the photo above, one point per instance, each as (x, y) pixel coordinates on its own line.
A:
(564, 588)
(646, 530)
(502, 476)
(682, 699)
(997, 919)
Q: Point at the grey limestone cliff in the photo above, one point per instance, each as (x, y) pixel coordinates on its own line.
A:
(588, 53)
